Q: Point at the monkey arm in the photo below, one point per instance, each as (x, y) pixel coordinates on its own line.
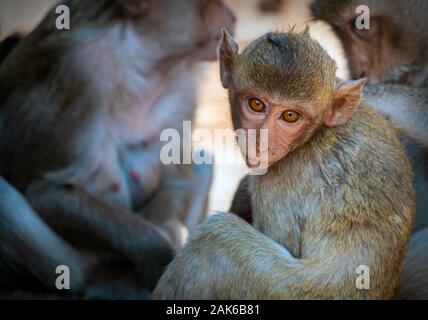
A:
(406, 107)
(90, 223)
(228, 259)
(210, 265)
(25, 240)
(241, 204)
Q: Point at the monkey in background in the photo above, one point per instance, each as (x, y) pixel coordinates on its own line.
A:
(393, 54)
(337, 194)
(81, 111)
(394, 47)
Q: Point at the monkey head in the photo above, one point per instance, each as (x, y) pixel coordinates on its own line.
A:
(192, 24)
(387, 43)
(168, 28)
(285, 83)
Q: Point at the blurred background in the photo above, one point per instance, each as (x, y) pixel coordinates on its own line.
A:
(212, 112)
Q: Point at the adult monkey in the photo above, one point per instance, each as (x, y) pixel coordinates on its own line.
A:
(393, 47)
(81, 111)
(337, 193)
(393, 54)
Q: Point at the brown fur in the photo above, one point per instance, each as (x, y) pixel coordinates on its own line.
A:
(395, 46)
(341, 199)
(395, 52)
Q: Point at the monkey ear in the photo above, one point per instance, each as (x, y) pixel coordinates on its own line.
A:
(227, 52)
(346, 97)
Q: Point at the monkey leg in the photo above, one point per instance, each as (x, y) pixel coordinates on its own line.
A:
(93, 225)
(216, 267)
(413, 282)
(29, 247)
(226, 258)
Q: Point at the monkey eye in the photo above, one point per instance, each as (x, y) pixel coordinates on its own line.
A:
(290, 116)
(256, 105)
(365, 33)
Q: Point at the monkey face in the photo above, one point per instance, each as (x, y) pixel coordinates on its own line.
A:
(377, 48)
(194, 26)
(370, 52)
(273, 126)
(280, 114)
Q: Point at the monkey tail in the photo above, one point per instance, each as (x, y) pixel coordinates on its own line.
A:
(27, 243)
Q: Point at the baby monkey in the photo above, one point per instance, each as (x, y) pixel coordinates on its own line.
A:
(337, 194)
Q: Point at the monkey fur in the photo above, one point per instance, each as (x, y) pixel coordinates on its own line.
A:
(341, 197)
(396, 44)
(393, 53)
